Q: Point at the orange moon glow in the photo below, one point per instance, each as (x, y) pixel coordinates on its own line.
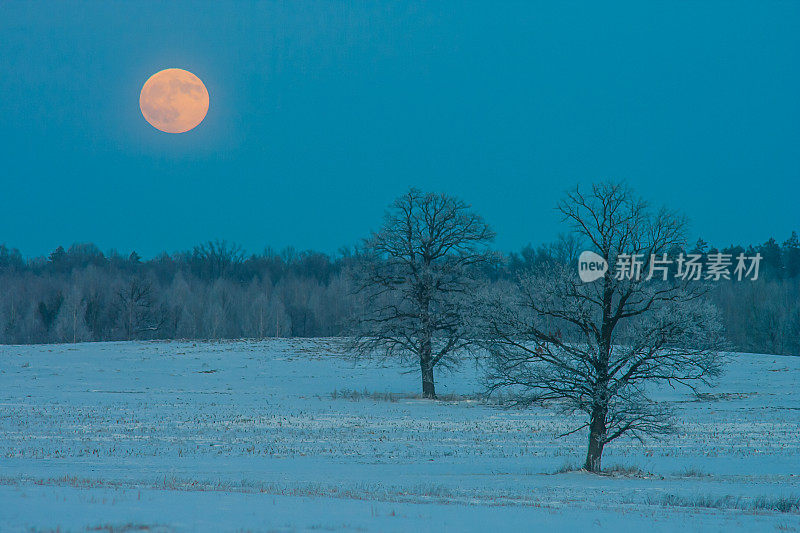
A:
(174, 100)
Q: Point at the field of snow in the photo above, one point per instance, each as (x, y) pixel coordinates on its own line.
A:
(286, 435)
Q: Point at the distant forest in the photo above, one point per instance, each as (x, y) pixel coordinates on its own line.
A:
(216, 291)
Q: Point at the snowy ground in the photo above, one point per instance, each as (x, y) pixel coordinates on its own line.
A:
(259, 436)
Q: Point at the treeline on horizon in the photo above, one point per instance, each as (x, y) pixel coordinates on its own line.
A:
(216, 291)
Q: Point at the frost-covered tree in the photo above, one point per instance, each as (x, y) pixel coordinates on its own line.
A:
(415, 281)
(70, 323)
(596, 347)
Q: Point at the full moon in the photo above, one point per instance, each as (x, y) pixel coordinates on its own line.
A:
(174, 100)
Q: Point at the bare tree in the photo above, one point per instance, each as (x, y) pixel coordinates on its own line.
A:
(216, 259)
(415, 280)
(595, 347)
(137, 308)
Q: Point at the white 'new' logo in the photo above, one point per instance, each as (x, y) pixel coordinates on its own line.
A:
(591, 266)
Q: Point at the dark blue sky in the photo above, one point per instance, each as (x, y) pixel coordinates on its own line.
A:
(321, 113)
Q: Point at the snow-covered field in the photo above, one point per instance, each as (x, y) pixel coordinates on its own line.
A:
(266, 436)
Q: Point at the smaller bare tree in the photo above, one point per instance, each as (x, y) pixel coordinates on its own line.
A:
(596, 347)
(415, 280)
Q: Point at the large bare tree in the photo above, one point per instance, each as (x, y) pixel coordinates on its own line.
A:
(596, 347)
(416, 278)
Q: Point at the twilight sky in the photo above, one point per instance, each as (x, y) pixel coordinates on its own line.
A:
(322, 112)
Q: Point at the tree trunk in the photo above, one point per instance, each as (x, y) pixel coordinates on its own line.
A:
(426, 369)
(597, 434)
(597, 422)
(428, 387)
(425, 354)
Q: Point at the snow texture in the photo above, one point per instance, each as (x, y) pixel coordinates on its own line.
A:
(287, 435)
